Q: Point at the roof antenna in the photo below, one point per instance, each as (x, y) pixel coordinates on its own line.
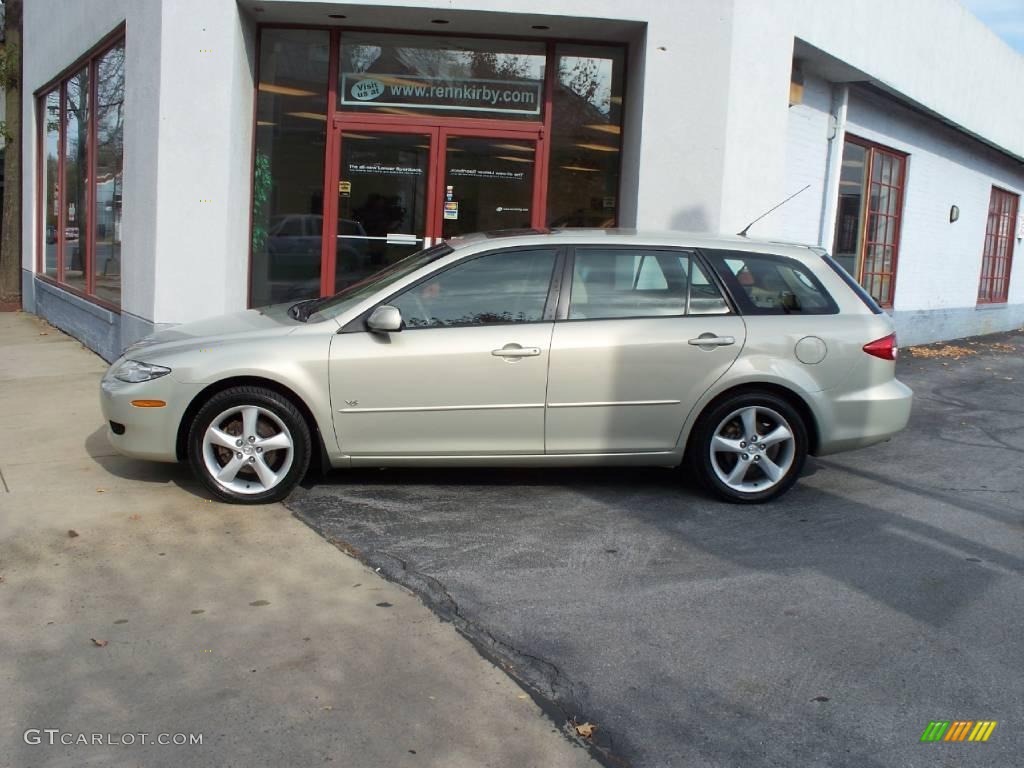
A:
(743, 232)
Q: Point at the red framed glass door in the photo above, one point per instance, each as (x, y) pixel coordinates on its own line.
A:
(382, 200)
(395, 187)
(488, 180)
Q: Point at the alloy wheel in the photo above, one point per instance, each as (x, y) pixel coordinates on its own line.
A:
(753, 449)
(248, 449)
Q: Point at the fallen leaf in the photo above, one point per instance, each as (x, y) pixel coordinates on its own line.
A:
(942, 350)
(522, 696)
(98, 643)
(135, 517)
(328, 708)
(586, 730)
(101, 490)
(72, 533)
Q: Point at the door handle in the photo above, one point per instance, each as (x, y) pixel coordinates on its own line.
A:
(709, 340)
(514, 350)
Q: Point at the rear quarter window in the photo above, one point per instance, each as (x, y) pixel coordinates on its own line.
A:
(767, 284)
(847, 278)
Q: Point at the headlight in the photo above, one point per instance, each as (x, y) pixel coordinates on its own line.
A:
(133, 371)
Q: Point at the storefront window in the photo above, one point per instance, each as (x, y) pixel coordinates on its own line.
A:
(586, 135)
(429, 138)
(413, 75)
(109, 174)
(51, 185)
(80, 194)
(76, 179)
(288, 179)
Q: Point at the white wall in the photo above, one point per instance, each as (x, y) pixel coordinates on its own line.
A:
(806, 154)
(710, 140)
(939, 262)
(207, 67)
(934, 52)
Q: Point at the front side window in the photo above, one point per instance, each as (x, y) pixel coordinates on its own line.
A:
(765, 284)
(505, 287)
(997, 256)
(612, 283)
(82, 138)
(869, 216)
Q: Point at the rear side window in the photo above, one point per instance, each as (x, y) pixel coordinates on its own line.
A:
(610, 283)
(766, 284)
(863, 295)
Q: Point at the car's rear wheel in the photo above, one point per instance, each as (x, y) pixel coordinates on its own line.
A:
(749, 448)
(249, 445)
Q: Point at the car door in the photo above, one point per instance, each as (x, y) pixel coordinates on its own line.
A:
(645, 334)
(467, 374)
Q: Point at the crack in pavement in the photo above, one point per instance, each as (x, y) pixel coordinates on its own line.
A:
(542, 680)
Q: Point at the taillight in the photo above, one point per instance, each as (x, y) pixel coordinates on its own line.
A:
(884, 348)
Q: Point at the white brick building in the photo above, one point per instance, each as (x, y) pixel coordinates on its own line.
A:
(187, 158)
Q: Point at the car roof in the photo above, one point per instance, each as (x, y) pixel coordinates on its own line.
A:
(621, 236)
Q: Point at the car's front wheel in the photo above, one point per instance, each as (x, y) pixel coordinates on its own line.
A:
(249, 445)
(749, 448)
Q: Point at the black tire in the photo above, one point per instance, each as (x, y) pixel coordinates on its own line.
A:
(699, 458)
(267, 400)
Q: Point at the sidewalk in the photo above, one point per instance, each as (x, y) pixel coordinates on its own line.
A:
(237, 623)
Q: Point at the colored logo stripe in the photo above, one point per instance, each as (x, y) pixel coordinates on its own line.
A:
(982, 730)
(958, 730)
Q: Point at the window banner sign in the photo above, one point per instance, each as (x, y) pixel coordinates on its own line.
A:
(521, 97)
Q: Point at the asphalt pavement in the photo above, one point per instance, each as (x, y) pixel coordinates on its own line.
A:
(825, 629)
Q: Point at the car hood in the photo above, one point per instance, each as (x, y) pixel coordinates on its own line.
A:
(223, 328)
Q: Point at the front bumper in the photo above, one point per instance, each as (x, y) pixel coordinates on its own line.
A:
(862, 417)
(149, 433)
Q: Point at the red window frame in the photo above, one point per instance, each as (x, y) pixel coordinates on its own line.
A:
(871, 269)
(88, 60)
(339, 120)
(997, 253)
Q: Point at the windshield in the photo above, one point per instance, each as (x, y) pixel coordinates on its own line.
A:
(348, 297)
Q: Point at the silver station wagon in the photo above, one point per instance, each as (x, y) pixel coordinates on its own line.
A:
(733, 357)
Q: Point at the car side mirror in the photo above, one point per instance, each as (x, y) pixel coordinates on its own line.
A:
(385, 319)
